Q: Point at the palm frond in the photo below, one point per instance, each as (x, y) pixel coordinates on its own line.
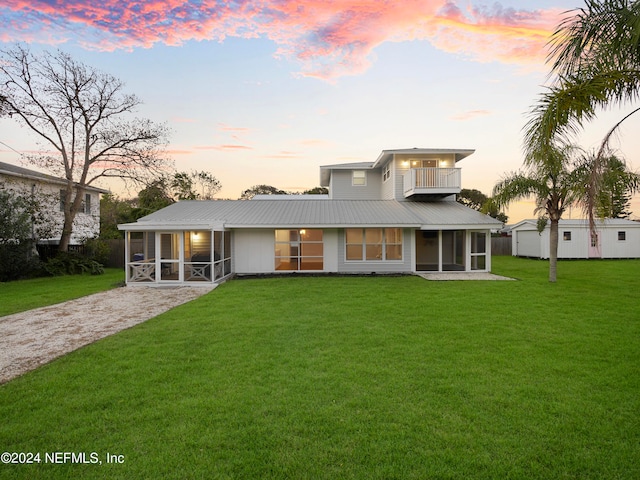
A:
(605, 33)
(561, 112)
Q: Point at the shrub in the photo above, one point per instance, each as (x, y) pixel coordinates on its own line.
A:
(98, 250)
(66, 263)
(16, 261)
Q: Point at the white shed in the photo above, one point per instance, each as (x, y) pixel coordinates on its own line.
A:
(616, 238)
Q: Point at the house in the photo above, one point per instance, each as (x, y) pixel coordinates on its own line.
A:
(397, 214)
(615, 238)
(48, 191)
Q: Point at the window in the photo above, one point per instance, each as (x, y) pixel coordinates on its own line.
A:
(359, 178)
(622, 236)
(594, 240)
(566, 236)
(373, 244)
(386, 172)
(63, 193)
(86, 207)
(299, 250)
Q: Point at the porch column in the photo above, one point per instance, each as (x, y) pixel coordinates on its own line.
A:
(439, 250)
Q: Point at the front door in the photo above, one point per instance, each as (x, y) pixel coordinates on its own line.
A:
(169, 249)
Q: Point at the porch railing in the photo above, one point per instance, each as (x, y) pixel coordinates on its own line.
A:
(421, 180)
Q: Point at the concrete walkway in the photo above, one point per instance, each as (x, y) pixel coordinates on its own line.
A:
(35, 337)
(462, 276)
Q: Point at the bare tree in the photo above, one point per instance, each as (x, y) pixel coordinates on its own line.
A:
(79, 115)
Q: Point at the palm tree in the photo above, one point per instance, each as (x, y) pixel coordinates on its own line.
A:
(596, 64)
(555, 181)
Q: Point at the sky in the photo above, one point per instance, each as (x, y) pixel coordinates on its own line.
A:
(265, 92)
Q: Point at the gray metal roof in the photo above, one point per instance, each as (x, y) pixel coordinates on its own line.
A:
(21, 172)
(313, 213)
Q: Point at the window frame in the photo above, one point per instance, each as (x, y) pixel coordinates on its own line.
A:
(386, 172)
(566, 236)
(358, 180)
(622, 235)
(298, 243)
(368, 245)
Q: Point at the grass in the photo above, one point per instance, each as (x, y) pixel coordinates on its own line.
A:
(25, 295)
(364, 377)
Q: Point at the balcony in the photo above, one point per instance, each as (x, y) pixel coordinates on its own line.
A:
(431, 181)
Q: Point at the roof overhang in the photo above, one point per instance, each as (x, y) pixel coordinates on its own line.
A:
(387, 155)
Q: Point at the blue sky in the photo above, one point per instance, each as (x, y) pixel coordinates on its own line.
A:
(266, 92)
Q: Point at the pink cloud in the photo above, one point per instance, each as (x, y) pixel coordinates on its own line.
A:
(329, 39)
(469, 115)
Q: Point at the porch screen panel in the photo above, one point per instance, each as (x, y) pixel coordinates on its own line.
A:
(227, 252)
(478, 251)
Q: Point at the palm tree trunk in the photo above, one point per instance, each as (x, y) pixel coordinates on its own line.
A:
(553, 250)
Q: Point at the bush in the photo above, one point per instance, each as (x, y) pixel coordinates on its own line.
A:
(16, 261)
(98, 250)
(66, 263)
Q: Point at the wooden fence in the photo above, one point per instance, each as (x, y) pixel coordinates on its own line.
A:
(500, 245)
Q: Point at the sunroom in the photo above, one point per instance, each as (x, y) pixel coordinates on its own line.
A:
(195, 256)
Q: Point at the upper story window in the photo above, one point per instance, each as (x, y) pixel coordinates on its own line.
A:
(359, 178)
(86, 205)
(386, 172)
(84, 208)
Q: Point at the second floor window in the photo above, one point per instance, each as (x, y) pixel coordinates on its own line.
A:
(359, 178)
(386, 173)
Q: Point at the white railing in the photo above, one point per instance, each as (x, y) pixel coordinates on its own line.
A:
(423, 179)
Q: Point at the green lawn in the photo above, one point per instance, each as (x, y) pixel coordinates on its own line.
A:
(363, 377)
(39, 292)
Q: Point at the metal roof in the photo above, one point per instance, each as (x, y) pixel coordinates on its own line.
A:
(532, 224)
(313, 213)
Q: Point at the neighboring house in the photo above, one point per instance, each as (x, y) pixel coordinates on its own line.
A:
(48, 191)
(395, 215)
(615, 238)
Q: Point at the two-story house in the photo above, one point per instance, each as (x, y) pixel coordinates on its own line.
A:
(48, 192)
(397, 214)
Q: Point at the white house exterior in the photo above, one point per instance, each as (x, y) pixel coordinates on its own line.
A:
(48, 189)
(616, 238)
(395, 215)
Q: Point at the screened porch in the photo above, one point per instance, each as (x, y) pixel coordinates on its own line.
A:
(187, 256)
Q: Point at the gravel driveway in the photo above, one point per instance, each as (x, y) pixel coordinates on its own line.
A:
(35, 337)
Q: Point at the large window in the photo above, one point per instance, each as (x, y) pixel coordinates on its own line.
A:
(299, 250)
(373, 244)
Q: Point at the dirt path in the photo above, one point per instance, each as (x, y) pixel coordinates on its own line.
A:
(35, 337)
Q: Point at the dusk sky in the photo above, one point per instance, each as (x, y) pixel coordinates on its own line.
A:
(264, 92)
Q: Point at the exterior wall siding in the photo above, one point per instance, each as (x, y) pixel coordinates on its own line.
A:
(527, 243)
(85, 225)
(254, 251)
(614, 248)
(342, 189)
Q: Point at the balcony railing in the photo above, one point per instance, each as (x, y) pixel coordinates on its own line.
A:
(441, 181)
